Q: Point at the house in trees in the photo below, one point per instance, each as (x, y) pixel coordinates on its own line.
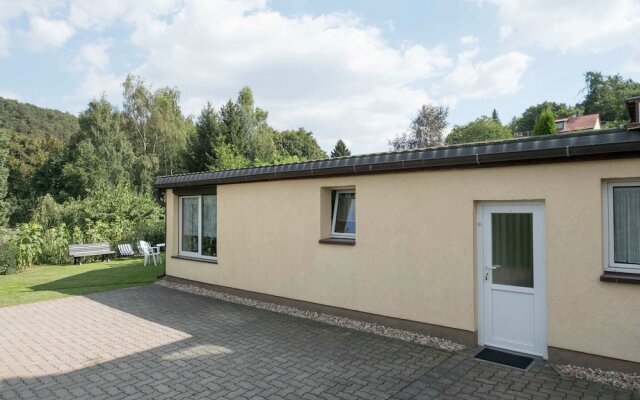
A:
(578, 123)
(530, 245)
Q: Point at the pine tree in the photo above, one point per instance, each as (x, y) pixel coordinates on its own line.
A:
(340, 150)
(546, 123)
(495, 116)
(200, 153)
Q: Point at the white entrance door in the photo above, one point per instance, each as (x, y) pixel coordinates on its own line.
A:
(511, 272)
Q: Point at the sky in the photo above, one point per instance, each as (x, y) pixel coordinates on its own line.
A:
(352, 70)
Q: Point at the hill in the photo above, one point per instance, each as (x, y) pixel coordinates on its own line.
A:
(28, 119)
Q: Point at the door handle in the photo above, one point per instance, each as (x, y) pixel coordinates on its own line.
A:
(493, 266)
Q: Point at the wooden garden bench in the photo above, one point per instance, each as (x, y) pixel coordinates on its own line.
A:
(77, 251)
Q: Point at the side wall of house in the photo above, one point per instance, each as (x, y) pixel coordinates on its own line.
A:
(414, 256)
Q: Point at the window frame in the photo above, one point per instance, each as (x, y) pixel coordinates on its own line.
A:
(180, 216)
(340, 235)
(610, 264)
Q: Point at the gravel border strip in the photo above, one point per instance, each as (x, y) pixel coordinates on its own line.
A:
(438, 343)
(618, 379)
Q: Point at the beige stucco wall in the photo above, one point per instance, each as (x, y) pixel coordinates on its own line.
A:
(414, 256)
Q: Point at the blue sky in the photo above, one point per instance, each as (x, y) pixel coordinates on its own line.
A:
(354, 70)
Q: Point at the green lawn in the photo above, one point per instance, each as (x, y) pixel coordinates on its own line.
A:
(55, 281)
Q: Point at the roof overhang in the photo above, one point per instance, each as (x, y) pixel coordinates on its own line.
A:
(613, 143)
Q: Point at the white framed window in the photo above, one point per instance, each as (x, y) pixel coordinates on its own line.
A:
(622, 227)
(198, 226)
(560, 125)
(343, 219)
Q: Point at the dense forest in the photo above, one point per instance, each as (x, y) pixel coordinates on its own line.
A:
(28, 119)
(67, 179)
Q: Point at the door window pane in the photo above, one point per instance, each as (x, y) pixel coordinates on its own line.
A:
(512, 249)
(626, 224)
(345, 218)
(209, 225)
(190, 226)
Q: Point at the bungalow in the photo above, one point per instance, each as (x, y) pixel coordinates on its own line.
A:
(530, 245)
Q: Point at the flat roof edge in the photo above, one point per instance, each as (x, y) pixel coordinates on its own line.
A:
(614, 144)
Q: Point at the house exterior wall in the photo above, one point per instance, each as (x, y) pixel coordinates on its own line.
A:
(414, 256)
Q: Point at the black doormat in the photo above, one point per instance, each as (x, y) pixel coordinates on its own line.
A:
(500, 357)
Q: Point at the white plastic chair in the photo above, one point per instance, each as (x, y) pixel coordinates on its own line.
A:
(149, 251)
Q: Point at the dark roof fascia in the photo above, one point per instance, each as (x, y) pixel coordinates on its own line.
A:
(567, 147)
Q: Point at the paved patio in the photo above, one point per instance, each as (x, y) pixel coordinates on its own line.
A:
(151, 342)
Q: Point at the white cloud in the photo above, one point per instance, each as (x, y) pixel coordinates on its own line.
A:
(44, 33)
(11, 10)
(93, 62)
(329, 73)
(497, 77)
(98, 15)
(93, 55)
(586, 26)
(468, 40)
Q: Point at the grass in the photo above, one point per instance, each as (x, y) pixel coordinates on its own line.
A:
(49, 282)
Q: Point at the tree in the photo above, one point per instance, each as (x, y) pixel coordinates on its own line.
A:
(137, 103)
(481, 130)
(4, 177)
(426, 129)
(169, 129)
(200, 151)
(100, 154)
(236, 126)
(238, 135)
(256, 116)
(30, 161)
(546, 123)
(606, 94)
(262, 148)
(228, 158)
(340, 150)
(299, 143)
(527, 120)
(495, 117)
(156, 127)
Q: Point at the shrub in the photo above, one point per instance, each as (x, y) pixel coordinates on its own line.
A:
(8, 252)
(546, 123)
(29, 244)
(114, 214)
(48, 212)
(55, 246)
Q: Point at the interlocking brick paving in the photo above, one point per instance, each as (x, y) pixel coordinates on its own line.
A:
(151, 342)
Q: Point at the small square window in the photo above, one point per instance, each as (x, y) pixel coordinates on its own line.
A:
(623, 226)
(343, 220)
